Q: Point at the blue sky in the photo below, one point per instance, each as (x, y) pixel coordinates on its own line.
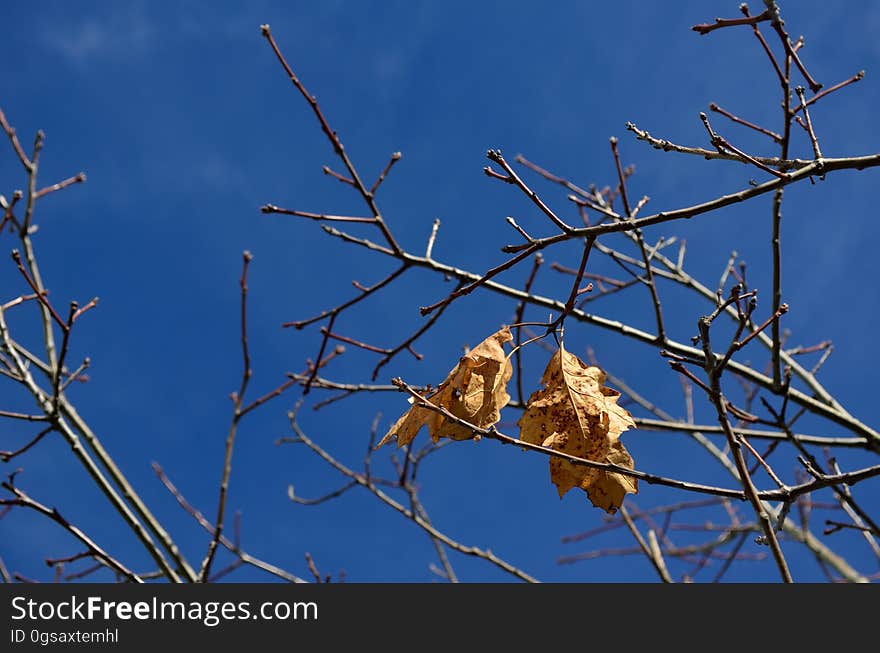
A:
(185, 125)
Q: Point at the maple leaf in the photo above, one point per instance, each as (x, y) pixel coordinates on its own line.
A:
(475, 390)
(577, 414)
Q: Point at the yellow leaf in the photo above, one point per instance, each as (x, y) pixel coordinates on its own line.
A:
(577, 414)
(475, 390)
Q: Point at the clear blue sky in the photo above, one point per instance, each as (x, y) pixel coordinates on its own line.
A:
(184, 123)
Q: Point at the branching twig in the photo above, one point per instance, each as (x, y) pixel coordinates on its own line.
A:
(368, 483)
(25, 501)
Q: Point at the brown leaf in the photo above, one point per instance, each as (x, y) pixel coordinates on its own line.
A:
(475, 390)
(576, 414)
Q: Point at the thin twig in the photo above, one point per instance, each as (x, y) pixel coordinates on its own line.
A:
(238, 399)
(229, 545)
(363, 481)
(22, 499)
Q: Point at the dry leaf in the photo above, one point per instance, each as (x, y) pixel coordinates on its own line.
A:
(475, 390)
(576, 414)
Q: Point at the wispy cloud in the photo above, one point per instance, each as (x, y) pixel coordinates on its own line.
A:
(119, 32)
(218, 173)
